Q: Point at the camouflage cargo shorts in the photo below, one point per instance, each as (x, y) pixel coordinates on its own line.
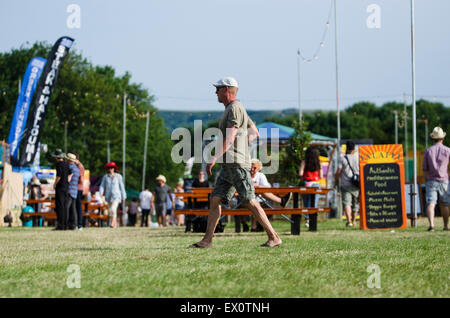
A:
(233, 179)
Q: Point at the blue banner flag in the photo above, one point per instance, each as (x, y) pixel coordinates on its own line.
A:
(32, 74)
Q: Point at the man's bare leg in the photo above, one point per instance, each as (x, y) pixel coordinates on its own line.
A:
(260, 216)
(445, 214)
(348, 214)
(272, 197)
(213, 219)
(430, 213)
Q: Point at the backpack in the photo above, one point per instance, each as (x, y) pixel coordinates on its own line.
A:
(355, 177)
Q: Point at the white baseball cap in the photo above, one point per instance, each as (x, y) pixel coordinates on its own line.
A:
(227, 81)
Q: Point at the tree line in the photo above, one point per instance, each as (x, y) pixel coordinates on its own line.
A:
(87, 107)
(365, 120)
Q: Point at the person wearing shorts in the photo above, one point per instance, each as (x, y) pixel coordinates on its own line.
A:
(237, 131)
(159, 197)
(435, 171)
(348, 164)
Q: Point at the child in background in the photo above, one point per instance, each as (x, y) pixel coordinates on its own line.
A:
(169, 208)
(132, 211)
(179, 204)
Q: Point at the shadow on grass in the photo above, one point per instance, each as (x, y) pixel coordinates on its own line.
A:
(90, 249)
(192, 234)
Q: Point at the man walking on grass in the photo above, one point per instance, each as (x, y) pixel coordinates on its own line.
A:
(435, 171)
(61, 187)
(237, 131)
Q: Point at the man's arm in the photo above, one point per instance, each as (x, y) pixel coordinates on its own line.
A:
(101, 190)
(58, 176)
(44, 195)
(81, 168)
(172, 197)
(152, 203)
(336, 178)
(56, 182)
(252, 132)
(302, 169)
(122, 189)
(425, 165)
(227, 143)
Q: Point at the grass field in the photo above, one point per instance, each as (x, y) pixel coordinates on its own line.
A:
(149, 262)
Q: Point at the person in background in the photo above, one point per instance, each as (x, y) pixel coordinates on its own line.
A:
(46, 206)
(170, 204)
(349, 192)
(199, 182)
(96, 199)
(145, 198)
(132, 211)
(179, 204)
(159, 197)
(310, 172)
(113, 191)
(73, 191)
(36, 193)
(61, 186)
(80, 192)
(260, 181)
(435, 171)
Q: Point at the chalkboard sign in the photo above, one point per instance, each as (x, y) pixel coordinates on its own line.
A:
(382, 187)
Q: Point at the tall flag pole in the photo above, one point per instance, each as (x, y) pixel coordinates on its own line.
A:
(413, 73)
(300, 115)
(124, 135)
(145, 150)
(338, 113)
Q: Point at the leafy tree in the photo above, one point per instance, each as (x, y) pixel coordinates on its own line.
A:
(88, 103)
(291, 156)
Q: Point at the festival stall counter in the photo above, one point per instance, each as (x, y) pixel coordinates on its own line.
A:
(11, 199)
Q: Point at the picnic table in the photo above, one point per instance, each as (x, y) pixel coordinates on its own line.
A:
(88, 208)
(195, 195)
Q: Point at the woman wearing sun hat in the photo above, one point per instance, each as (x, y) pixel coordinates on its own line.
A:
(112, 190)
(435, 171)
(71, 159)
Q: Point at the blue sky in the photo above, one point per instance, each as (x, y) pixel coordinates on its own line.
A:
(176, 49)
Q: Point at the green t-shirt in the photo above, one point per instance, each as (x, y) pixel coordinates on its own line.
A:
(235, 115)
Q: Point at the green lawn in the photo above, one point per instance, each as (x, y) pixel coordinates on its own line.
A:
(149, 262)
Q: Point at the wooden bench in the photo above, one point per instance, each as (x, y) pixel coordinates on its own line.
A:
(45, 215)
(87, 214)
(295, 212)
